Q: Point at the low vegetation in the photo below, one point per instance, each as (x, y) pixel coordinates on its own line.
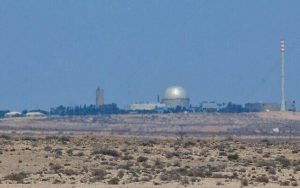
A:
(124, 160)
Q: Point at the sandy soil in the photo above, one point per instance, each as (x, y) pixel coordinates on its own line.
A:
(165, 150)
(124, 161)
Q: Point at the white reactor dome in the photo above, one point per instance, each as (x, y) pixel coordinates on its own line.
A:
(175, 92)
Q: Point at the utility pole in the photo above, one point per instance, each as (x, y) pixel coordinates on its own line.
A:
(282, 50)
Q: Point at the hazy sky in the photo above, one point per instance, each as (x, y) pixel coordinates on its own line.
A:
(58, 52)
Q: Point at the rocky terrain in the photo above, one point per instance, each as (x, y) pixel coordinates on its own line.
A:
(120, 161)
(165, 150)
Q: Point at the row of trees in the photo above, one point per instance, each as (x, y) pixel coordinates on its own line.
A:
(85, 110)
(2, 113)
(113, 109)
(233, 108)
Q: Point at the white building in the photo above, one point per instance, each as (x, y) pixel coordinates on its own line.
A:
(35, 114)
(12, 114)
(210, 107)
(146, 106)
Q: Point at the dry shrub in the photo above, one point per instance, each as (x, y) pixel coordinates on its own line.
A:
(169, 155)
(58, 152)
(149, 142)
(127, 157)
(70, 152)
(70, 172)
(188, 144)
(185, 181)
(156, 183)
(199, 172)
(177, 163)
(113, 181)
(244, 182)
(218, 175)
(57, 181)
(5, 137)
(266, 155)
(297, 168)
(265, 141)
(233, 157)
(141, 159)
(50, 138)
(64, 139)
(106, 151)
(56, 167)
(18, 177)
(121, 174)
(48, 148)
(98, 175)
(284, 183)
(294, 183)
(79, 154)
(146, 165)
(262, 179)
(243, 170)
(29, 138)
(271, 171)
(242, 147)
(203, 171)
(283, 161)
(266, 163)
(126, 166)
(159, 164)
(170, 176)
(222, 153)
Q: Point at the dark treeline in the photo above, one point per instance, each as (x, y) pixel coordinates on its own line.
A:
(233, 108)
(3, 112)
(85, 110)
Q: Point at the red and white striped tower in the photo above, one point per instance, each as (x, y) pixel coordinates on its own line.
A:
(282, 50)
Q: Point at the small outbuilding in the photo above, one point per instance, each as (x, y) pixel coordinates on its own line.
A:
(12, 114)
(35, 114)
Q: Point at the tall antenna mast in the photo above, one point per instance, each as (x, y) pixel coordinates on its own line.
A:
(282, 50)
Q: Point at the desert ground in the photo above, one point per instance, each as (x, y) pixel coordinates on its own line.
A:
(120, 161)
(175, 150)
(192, 124)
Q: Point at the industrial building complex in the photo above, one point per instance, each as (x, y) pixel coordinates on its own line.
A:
(175, 99)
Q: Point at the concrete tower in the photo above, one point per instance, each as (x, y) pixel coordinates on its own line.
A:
(282, 50)
(99, 97)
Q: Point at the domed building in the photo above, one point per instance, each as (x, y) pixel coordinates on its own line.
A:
(175, 96)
